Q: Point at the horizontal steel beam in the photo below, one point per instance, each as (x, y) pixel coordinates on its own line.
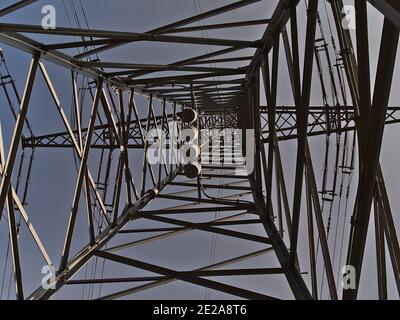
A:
(126, 36)
(204, 15)
(187, 277)
(16, 6)
(221, 26)
(200, 273)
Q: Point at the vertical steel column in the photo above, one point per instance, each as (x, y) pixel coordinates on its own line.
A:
(131, 105)
(390, 229)
(76, 109)
(311, 241)
(124, 141)
(320, 225)
(363, 113)
(302, 106)
(13, 233)
(146, 146)
(117, 189)
(271, 94)
(173, 144)
(255, 110)
(81, 175)
(87, 189)
(282, 184)
(75, 143)
(122, 164)
(380, 249)
(12, 154)
(370, 158)
(302, 117)
(364, 75)
(296, 282)
(162, 143)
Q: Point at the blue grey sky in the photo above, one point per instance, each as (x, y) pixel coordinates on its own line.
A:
(54, 170)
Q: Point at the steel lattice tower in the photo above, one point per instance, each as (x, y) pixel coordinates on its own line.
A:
(116, 186)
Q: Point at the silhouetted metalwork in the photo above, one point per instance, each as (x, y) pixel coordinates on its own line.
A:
(224, 97)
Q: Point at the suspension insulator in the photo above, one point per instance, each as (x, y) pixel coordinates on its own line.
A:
(188, 115)
(190, 153)
(190, 134)
(190, 150)
(192, 170)
(152, 193)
